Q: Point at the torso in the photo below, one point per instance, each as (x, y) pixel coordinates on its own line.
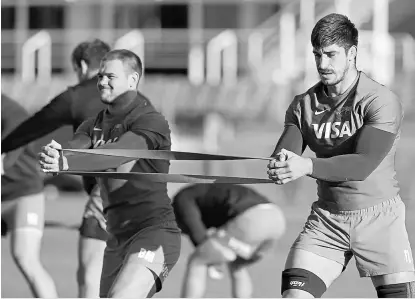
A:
(132, 203)
(330, 127)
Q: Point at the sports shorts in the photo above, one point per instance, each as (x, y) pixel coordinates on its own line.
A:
(26, 212)
(375, 236)
(252, 233)
(156, 247)
(93, 220)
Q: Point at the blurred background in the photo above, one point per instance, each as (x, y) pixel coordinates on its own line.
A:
(223, 73)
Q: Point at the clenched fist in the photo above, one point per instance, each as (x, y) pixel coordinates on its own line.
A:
(51, 159)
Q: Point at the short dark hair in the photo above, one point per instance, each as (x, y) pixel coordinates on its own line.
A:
(91, 52)
(334, 29)
(128, 58)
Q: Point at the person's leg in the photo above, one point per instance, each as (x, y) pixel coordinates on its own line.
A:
(387, 257)
(195, 277)
(91, 246)
(26, 227)
(239, 243)
(149, 256)
(318, 256)
(241, 281)
(212, 252)
(90, 261)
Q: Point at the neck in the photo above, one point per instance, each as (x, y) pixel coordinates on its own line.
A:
(343, 85)
(122, 102)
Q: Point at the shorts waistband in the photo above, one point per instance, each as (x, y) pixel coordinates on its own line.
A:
(396, 200)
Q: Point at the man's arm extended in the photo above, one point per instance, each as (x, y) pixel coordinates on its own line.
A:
(52, 116)
(372, 146)
(292, 140)
(189, 217)
(382, 122)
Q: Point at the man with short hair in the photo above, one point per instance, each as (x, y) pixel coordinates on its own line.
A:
(353, 124)
(228, 224)
(23, 205)
(143, 238)
(72, 107)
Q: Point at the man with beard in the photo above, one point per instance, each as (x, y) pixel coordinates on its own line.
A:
(353, 124)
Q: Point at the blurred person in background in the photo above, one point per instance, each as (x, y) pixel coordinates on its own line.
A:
(23, 205)
(353, 124)
(72, 107)
(144, 241)
(228, 224)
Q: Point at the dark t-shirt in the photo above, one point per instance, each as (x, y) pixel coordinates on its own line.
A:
(21, 169)
(72, 107)
(330, 127)
(133, 203)
(202, 206)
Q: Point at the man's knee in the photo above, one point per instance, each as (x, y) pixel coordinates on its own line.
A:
(302, 280)
(398, 290)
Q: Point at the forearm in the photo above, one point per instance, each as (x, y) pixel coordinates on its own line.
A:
(352, 167)
(372, 146)
(197, 232)
(291, 140)
(79, 141)
(129, 140)
(189, 217)
(39, 125)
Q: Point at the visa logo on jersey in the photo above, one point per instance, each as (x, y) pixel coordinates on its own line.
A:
(332, 130)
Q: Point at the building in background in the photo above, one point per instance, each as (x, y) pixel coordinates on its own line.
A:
(169, 27)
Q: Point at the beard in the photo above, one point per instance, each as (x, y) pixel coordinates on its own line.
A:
(338, 78)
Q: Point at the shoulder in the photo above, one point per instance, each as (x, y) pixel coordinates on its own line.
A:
(78, 91)
(145, 115)
(373, 96)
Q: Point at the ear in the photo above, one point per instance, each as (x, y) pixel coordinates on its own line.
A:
(352, 53)
(84, 67)
(133, 80)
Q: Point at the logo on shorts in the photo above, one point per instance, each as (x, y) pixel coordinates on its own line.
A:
(296, 283)
(408, 257)
(32, 219)
(146, 255)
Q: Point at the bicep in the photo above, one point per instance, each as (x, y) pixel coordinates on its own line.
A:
(372, 146)
(154, 129)
(374, 143)
(384, 113)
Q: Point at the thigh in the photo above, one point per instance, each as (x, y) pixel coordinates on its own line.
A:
(156, 249)
(326, 269)
(258, 223)
(252, 233)
(389, 251)
(91, 254)
(327, 235)
(111, 266)
(26, 213)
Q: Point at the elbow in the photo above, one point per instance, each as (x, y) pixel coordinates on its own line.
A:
(361, 175)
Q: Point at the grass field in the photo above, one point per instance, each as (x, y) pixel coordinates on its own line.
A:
(59, 245)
